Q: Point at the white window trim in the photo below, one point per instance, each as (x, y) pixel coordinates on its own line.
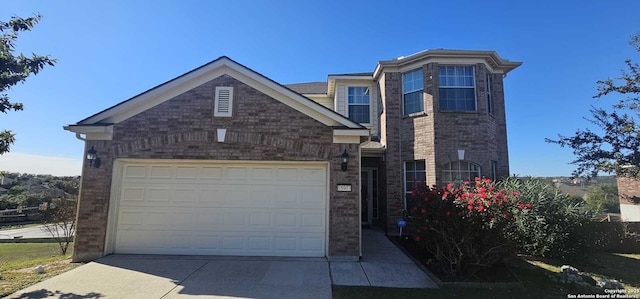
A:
(404, 177)
(469, 163)
(494, 170)
(490, 104)
(404, 92)
(475, 96)
(216, 111)
(370, 105)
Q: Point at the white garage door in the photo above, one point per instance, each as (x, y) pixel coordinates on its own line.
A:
(248, 209)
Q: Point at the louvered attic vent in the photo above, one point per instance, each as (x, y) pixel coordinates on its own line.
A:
(223, 105)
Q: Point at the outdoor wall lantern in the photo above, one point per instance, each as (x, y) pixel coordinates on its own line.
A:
(345, 160)
(92, 157)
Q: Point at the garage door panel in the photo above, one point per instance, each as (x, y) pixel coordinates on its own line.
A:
(313, 175)
(223, 244)
(131, 217)
(315, 220)
(260, 219)
(185, 195)
(236, 173)
(133, 171)
(206, 242)
(245, 209)
(225, 219)
(160, 172)
(186, 173)
(180, 241)
(259, 243)
(160, 194)
(207, 217)
(210, 173)
(288, 174)
(261, 175)
(182, 219)
(232, 218)
(130, 193)
(157, 219)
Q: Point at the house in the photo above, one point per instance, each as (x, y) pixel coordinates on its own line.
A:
(225, 161)
(629, 196)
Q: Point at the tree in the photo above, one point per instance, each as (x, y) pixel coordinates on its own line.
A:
(603, 198)
(616, 149)
(15, 69)
(60, 221)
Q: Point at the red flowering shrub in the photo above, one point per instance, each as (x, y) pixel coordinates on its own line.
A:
(462, 226)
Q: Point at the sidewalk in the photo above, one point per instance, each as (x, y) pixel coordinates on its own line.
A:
(382, 265)
(27, 234)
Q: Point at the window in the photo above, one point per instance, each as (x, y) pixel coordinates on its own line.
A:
(457, 88)
(460, 171)
(223, 101)
(414, 174)
(488, 82)
(412, 86)
(359, 104)
(494, 170)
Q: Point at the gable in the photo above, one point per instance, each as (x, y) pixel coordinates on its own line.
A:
(186, 126)
(100, 126)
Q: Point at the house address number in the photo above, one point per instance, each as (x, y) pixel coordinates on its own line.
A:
(344, 187)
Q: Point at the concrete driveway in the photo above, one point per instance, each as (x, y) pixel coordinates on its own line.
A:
(135, 276)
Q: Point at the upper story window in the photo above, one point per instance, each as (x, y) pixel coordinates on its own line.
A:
(359, 104)
(457, 88)
(494, 170)
(488, 82)
(460, 171)
(412, 87)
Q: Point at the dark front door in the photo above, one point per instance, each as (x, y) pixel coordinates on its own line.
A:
(369, 195)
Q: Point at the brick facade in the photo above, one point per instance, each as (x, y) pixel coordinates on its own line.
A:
(628, 188)
(261, 129)
(436, 136)
(391, 87)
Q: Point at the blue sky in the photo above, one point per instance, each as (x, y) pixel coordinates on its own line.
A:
(109, 51)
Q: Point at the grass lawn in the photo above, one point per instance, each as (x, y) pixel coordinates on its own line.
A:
(17, 261)
(536, 275)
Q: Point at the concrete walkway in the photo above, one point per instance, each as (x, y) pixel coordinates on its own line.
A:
(382, 265)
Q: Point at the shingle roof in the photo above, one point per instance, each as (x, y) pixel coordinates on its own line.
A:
(310, 87)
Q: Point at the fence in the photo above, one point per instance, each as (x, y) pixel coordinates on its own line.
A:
(24, 214)
(619, 237)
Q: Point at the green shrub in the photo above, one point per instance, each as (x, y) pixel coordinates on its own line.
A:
(558, 225)
(603, 198)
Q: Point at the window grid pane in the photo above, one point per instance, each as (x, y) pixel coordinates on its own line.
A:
(414, 175)
(359, 104)
(413, 102)
(459, 171)
(412, 87)
(488, 82)
(457, 88)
